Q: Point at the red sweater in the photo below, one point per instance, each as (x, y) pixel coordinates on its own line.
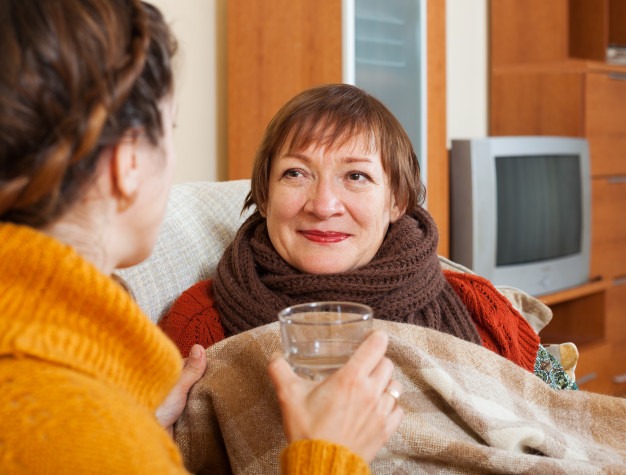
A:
(194, 318)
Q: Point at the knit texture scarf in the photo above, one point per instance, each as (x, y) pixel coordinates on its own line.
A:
(402, 283)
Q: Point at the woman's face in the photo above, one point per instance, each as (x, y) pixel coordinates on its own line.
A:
(156, 167)
(329, 209)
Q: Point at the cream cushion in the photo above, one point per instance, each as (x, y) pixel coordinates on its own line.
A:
(200, 221)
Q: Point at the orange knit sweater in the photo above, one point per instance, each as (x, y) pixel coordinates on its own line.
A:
(82, 371)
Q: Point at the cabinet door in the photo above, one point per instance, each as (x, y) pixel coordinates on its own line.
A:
(390, 61)
(605, 122)
(608, 236)
(593, 371)
(618, 366)
(536, 103)
(616, 333)
(527, 31)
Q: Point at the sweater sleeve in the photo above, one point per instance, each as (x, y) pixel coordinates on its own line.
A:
(194, 318)
(318, 457)
(501, 327)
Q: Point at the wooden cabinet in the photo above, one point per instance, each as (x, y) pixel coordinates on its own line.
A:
(578, 316)
(549, 76)
(616, 328)
(608, 239)
(594, 26)
(536, 101)
(593, 371)
(277, 48)
(605, 121)
(576, 99)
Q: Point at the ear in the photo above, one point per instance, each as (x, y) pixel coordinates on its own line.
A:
(125, 173)
(397, 210)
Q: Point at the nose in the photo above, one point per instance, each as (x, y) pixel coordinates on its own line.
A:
(325, 199)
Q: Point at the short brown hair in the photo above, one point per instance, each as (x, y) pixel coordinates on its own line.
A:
(76, 75)
(333, 114)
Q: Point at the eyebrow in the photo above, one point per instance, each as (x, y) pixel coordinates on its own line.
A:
(306, 159)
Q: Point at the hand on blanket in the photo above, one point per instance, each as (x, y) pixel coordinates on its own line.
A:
(172, 407)
(350, 408)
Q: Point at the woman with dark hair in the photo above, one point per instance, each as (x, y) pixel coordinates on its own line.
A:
(86, 161)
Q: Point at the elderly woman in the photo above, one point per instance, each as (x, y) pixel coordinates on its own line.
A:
(86, 154)
(339, 216)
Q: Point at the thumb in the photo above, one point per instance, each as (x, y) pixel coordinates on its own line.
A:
(194, 367)
(281, 374)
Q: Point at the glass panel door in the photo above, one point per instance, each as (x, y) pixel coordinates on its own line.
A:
(386, 56)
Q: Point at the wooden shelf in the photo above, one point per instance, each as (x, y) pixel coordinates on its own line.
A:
(570, 65)
(592, 287)
(549, 76)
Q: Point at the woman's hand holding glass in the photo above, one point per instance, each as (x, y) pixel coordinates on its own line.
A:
(355, 407)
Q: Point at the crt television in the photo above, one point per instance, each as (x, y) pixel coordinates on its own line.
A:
(521, 210)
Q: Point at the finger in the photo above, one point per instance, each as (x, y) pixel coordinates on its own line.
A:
(368, 355)
(390, 396)
(281, 374)
(393, 421)
(382, 374)
(193, 369)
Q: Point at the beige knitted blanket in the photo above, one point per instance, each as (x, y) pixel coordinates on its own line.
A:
(467, 411)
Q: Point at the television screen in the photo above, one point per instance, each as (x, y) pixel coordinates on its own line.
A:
(539, 211)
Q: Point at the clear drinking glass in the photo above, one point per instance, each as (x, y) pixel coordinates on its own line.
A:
(319, 337)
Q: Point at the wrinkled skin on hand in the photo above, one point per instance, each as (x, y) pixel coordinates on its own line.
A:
(354, 407)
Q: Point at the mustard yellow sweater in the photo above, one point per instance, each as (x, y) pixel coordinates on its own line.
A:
(82, 371)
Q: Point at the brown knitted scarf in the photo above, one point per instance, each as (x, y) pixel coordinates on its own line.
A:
(402, 283)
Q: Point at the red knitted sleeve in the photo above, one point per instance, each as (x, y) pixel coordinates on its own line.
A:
(500, 326)
(193, 318)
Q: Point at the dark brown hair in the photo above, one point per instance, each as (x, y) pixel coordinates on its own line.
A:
(76, 76)
(333, 114)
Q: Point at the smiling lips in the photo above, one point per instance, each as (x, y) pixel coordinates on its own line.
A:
(324, 236)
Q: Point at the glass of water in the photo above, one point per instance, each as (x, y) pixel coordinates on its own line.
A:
(319, 337)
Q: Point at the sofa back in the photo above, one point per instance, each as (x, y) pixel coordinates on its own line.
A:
(200, 221)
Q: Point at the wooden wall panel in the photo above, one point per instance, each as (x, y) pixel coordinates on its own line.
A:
(536, 103)
(276, 48)
(539, 28)
(438, 165)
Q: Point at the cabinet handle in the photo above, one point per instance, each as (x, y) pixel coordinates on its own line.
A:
(620, 378)
(617, 76)
(586, 378)
(616, 180)
(619, 280)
